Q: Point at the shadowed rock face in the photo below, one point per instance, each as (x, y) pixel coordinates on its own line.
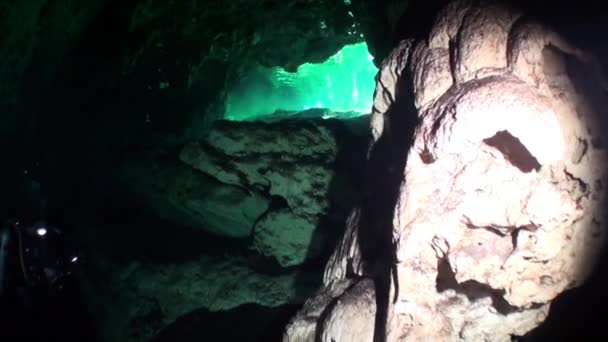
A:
(499, 206)
(145, 71)
(303, 167)
(249, 215)
(89, 90)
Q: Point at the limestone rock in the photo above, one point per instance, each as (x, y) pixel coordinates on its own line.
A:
(180, 194)
(295, 163)
(288, 238)
(291, 160)
(500, 207)
(358, 307)
(148, 297)
(303, 327)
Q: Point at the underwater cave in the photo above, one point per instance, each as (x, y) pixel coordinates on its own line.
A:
(343, 85)
(303, 170)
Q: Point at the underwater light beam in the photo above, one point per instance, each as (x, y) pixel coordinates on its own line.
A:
(345, 82)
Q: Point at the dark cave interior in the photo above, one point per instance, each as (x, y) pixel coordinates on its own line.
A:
(158, 137)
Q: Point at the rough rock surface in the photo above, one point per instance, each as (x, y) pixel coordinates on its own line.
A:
(500, 205)
(294, 163)
(272, 195)
(181, 194)
(148, 297)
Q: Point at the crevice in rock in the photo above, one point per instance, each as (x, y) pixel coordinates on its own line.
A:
(267, 265)
(499, 230)
(491, 229)
(426, 156)
(598, 143)
(514, 235)
(473, 290)
(277, 202)
(514, 151)
(323, 317)
(582, 148)
(582, 184)
(322, 320)
(453, 49)
(223, 161)
(446, 279)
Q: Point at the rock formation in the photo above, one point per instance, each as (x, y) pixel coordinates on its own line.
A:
(291, 162)
(181, 194)
(242, 208)
(147, 297)
(493, 124)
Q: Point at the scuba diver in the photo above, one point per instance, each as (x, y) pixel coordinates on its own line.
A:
(33, 253)
(40, 293)
(35, 270)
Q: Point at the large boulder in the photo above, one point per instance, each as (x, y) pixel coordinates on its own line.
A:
(498, 208)
(296, 163)
(181, 194)
(122, 74)
(148, 297)
(272, 195)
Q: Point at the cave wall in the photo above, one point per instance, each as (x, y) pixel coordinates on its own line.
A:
(122, 76)
(483, 70)
(154, 72)
(90, 86)
(87, 85)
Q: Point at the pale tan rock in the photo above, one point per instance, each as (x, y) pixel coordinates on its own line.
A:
(501, 205)
(303, 327)
(346, 256)
(432, 74)
(386, 86)
(485, 28)
(352, 316)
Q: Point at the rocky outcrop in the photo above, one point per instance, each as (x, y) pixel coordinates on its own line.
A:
(273, 196)
(499, 205)
(148, 297)
(178, 193)
(295, 164)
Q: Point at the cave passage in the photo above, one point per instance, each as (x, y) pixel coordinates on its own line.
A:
(343, 84)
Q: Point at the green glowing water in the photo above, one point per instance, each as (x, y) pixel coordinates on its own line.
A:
(343, 83)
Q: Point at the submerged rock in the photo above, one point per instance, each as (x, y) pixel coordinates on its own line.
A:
(295, 162)
(178, 193)
(272, 195)
(148, 297)
(255, 322)
(500, 193)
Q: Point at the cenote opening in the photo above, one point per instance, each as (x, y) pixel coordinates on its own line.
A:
(343, 84)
